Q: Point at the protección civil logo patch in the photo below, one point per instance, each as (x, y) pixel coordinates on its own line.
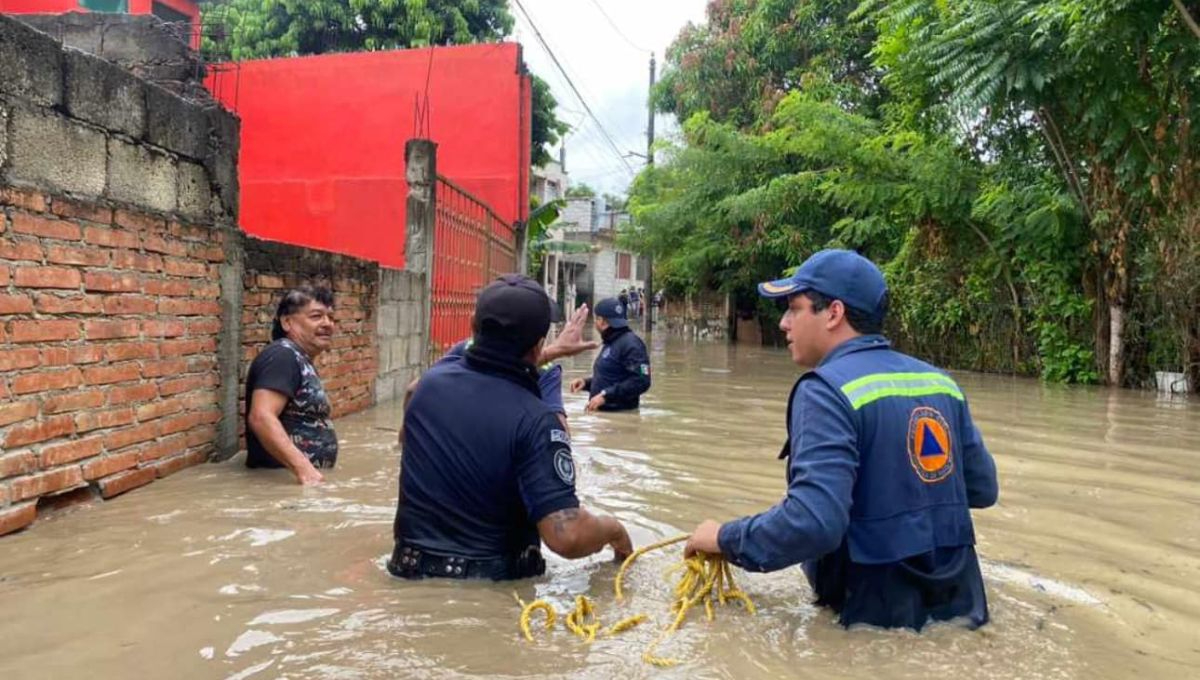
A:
(929, 445)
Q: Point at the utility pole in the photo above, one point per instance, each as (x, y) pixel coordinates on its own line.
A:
(648, 293)
(650, 117)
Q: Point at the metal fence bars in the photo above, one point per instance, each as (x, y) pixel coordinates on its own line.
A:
(472, 245)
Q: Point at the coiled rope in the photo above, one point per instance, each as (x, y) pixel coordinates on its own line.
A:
(706, 580)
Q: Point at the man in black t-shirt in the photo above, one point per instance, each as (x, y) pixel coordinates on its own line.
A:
(287, 410)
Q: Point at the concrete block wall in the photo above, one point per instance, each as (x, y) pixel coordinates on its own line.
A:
(81, 126)
(114, 225)
(401, 329)
(143, 45)
(579, 214)
(705, 315)
(348, 370)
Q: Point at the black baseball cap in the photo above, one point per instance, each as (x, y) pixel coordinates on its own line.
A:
(613, 311)
(511, 314)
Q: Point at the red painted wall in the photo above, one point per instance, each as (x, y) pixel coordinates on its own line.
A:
(39, 6)
(322, 148)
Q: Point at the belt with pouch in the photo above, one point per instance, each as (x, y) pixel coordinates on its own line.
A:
(411, 562)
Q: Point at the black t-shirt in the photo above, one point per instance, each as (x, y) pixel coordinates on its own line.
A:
(284, 368)
(484, 460)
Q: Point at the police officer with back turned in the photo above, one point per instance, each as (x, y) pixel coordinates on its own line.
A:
(487, 472)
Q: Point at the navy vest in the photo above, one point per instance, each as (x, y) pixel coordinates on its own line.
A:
(910, 498)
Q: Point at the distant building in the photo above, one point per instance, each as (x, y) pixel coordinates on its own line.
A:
(590, 265)
(550, 182)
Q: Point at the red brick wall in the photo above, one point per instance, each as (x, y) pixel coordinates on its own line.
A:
(348, 370)
(108, 334)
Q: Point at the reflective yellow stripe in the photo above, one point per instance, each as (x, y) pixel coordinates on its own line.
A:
(896, 377)
(869, 388)
(923, 391)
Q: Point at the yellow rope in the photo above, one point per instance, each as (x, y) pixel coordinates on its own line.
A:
(705, 579)
(625, 624)
(637, 553)
(527, 611)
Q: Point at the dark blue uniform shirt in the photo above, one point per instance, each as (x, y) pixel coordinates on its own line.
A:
(484, 460)
(622, 371)
(549, 377)
(883, 464)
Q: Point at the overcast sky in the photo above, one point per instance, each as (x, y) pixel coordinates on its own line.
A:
(610, 70)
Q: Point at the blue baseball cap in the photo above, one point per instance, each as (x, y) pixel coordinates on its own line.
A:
(613, 311)
(838, 274)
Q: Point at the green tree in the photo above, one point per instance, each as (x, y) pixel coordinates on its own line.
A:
(1109, 87)
(1024, 170)
(253, 29)
(750, 53)
(581, 190)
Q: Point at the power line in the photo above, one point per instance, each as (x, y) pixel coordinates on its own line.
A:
(616, 28)
(563, 71)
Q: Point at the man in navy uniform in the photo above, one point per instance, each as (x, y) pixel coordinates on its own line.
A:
(622, 371)
(884, 463)
(487, 472)
(567, 343)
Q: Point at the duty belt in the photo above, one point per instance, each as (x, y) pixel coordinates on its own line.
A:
(411, 562)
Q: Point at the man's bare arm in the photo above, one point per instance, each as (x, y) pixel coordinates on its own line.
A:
(264, 422)
(575, 533)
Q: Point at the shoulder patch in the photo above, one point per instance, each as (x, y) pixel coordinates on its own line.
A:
(929, 445)
(560, 437)
(564, 466)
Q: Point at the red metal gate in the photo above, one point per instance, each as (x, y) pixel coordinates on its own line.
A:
(471, 246)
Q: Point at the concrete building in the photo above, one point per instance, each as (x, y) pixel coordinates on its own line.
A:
(550, 182)
(591, 266)
(582, 262)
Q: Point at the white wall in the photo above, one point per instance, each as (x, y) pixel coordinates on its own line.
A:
(604, 271)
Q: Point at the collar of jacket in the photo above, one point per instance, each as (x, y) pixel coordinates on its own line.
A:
(858, 344)
(489, 360)
(609, 335)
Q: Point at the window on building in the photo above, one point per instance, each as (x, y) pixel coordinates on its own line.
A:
(105, 5)
(624, 265)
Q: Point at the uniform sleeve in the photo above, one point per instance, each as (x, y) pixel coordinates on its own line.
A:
(550, 384)
(812, 518)
(546, 468)
(276, 369)
(637, 370)
(979, 468)
(455, 353)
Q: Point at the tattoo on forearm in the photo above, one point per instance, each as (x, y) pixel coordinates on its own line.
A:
(561, 518)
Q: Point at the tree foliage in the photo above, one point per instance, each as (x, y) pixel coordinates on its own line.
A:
(254, 29)
(1023, 169)
(581, 190)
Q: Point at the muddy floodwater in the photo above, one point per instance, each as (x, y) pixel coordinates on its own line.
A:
(1091, 557)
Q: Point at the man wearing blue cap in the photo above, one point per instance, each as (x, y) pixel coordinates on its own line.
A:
(884, 463)
(622, 371)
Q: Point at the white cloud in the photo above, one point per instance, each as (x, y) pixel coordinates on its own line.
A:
(610, 70)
